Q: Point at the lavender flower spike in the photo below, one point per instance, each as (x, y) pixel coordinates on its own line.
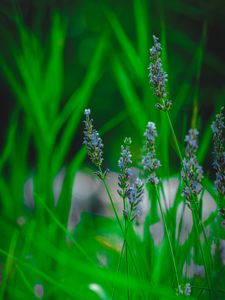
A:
(92, 140)
(158, 77)
(184, 290)
(192, 172)
(149, 161)
(124, 164)
(218, 129)
(135, 196)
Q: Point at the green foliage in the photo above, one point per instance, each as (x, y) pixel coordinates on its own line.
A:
(38, 249)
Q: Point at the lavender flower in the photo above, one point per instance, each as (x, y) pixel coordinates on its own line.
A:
(135, 195)
(158, 77)
(219, 160)
(92, 140)
(124, 164)
(131, 193)
(219, 153)
(192, 172)
(184, 289)
(149, 161)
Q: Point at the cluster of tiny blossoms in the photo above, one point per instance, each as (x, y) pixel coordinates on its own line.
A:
(124, 164)
(92, 140)
(135, 196)
(219, 152)
(184, 290)
(134, 193)
(192, 172)
(149, 161)
(218, 127)
(158, 77)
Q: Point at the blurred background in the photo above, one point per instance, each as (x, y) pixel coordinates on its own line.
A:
(52, 50)
(58, 58)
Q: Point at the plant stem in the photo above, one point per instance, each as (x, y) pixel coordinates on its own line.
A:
(126, 256)
(174, 136)
(119, 264)
(112, 203)
(117, 217)
(168, 237)
(126, 229)
(202, 252)
(193, 211)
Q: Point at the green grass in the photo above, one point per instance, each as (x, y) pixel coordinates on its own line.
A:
(90, 261)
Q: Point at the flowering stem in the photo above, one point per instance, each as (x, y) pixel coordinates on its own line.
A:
(195, 218)
(116, 214)
(205, 236)
(126, 256)
(168, 237)
(119, 264)
(112, 203)
(174, 136)
(202, 251)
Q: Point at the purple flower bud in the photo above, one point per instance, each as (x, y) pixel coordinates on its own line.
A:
(149, 161)
(192, 172)
(158, 78)
(92, 140)
(218, 127)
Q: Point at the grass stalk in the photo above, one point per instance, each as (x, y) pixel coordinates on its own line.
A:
(174, 136)
(195, 218)
(202, 252)
(168, 238)
(102, 176)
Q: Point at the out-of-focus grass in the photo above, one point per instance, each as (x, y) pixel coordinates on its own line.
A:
(36, 246)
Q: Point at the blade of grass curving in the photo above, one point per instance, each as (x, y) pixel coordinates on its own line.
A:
(126, 45)
(168, 238)
(185, 42)
(132, 102)
(9, 263)
(82, 97)
(142, 28)
(9, 144)
(206, 138)
(54, 70)
(26, 281)
(29, 63)
(64, 229)
(101, 275)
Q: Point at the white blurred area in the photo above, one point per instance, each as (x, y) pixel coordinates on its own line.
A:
(89, 195)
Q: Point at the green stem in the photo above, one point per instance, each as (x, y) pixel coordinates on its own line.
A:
(168, 237)
(119, 264)
(117, 217)
(112, 203)
(126, 229)
(202, 251)
(174, 136)
(194, 215)
(126, 256)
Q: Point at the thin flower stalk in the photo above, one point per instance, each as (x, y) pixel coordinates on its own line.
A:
(158, 80)
(94, 146)
(154, 57)
(131, 194)
(124, 164)
(151, 164)
(192, 175)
